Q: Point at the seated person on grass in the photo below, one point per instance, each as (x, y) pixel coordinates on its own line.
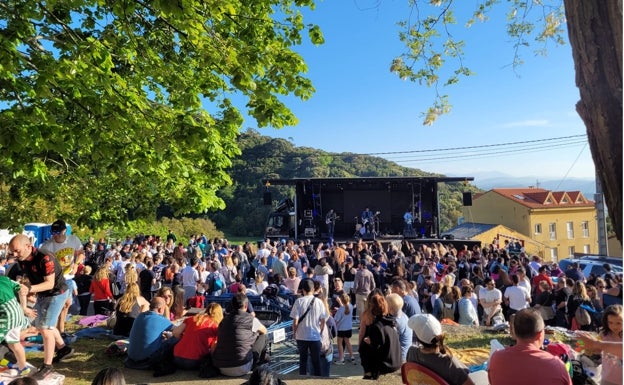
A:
(432, 352)
(241, 341)
(13, 320)
(525, 362)
(150, 337)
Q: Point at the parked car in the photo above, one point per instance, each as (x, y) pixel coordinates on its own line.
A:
(591, 265)
(600, 258)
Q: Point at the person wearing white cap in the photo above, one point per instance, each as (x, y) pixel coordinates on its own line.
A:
(432, 354)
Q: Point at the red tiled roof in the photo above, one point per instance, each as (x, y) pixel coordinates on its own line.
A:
(540, 198)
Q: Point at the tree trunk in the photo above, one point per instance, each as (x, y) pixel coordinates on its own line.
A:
(595, 32)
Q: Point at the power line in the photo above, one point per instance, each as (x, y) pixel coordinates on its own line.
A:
(473, 147)
(510, 148)
(459, 157)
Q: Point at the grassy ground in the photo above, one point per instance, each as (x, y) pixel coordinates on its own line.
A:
(90, 355)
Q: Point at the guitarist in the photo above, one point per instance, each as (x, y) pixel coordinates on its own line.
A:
(330, 221)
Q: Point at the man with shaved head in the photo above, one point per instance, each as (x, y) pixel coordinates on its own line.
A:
(46, 279)
(150, 336)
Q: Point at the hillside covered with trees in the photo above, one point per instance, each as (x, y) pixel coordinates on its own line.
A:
(264, 157)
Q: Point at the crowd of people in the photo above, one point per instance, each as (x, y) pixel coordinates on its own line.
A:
(399, 293)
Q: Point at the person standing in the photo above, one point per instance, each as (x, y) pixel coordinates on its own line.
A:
(47, 282)
(367, 220)
(409, 220)
(364, 283)
(67, 249)
(279, 266)
(190, 278)
(83, 281)
(309, 315)
(409, 304)
(516, 297)
(380, 349)
(395, 304)
(171, 236)
(330, 221)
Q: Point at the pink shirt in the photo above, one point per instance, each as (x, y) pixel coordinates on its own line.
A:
(524, 364)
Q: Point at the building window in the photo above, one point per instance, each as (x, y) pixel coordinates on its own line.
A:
(570, 230)
(538, 228)
(586, 249)
(585, 227)
(553, 255)
(571, 251)
(552, 230)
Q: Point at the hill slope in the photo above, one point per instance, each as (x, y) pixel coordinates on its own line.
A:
(265, 157)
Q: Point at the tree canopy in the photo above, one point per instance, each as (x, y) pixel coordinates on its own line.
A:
(103, 103)
(434, 57)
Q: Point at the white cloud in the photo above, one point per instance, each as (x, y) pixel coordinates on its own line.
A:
(527, 123)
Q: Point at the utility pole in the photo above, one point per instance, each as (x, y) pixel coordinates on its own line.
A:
(601, 219)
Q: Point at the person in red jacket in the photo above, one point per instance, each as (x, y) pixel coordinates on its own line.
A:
(102, 294)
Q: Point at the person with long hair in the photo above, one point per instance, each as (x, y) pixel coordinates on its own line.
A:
(128, 308)
(380, 349)
(366, 317)
(577, 298)
(611, 331)
(344, 324)
(166, 294)
(178, 307)
(102, 295)
(197, 337)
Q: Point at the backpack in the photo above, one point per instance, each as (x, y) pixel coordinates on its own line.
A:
(195, 301)
(583, 318)
(270, 291)
(216, 283)
(449, 310)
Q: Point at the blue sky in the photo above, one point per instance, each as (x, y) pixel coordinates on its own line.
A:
(361, 107)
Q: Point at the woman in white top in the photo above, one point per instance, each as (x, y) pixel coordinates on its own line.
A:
(308, 315)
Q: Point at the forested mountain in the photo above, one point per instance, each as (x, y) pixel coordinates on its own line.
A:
(265, 157)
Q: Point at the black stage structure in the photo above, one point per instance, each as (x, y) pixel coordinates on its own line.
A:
(387, 197)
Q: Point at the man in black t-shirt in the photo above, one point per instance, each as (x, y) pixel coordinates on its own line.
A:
(46, 280)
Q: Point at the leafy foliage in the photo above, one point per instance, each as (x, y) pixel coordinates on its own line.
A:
(264, 157)
(435, 57)
(182, 227)
(101, 102)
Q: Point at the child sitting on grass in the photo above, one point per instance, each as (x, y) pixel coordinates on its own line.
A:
(13, 320)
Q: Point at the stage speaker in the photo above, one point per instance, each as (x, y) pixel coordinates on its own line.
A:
(467, 199)
(268, 199)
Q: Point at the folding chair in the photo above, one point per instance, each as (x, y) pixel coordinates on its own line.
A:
(416, 374)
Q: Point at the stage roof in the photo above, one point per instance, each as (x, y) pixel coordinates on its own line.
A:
(392, 179)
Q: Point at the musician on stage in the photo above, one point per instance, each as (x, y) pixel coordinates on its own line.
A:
(330, 221)
(409, 220)
(367, 220)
